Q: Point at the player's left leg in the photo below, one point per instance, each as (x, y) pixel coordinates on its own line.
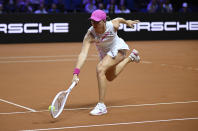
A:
(115, 70)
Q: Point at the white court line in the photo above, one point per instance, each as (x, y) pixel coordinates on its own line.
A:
(20, 57)
(114, 124)
(54, 60)
(18, 105)
(122, 106)
(146, 62)
(75, 59)
(72, 59)
(37, 61)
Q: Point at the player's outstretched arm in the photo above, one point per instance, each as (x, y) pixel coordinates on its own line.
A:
(116, 22)
(82, 56)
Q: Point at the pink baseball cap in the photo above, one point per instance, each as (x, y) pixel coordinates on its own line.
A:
(98, 15)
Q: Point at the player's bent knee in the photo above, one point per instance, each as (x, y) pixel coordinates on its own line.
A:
(110, 75)
(100, 70)
(110, 78)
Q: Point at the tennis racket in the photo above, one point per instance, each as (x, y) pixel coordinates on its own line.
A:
(60, 100)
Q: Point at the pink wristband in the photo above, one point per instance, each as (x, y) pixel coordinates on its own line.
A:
(76, 71)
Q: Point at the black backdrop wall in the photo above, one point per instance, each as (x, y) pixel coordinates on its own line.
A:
(34, 28)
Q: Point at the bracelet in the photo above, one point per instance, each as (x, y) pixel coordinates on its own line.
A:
(76, 71)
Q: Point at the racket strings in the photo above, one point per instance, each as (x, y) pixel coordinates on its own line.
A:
(60, 101)
(58, 104)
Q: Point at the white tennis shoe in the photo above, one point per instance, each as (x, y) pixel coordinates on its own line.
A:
(100, 109)
(135, 56)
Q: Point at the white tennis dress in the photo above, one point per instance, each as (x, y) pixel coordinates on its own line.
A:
(108, 43)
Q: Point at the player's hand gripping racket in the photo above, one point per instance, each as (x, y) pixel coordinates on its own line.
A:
(60, 100)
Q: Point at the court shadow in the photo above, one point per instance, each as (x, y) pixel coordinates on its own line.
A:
(48, 121)
(53, 121)
(87, 106)
(76, 111)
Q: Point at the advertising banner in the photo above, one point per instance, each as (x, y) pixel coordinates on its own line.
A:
(34, 28)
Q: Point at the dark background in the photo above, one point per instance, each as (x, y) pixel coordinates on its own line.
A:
(79, 23)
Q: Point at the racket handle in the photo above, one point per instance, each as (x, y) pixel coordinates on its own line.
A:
(72, 85)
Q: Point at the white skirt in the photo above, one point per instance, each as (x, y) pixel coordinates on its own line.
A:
(118, 44)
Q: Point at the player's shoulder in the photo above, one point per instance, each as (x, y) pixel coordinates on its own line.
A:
(115, 20)
(90, 28)
(116, 23)
(89, 35)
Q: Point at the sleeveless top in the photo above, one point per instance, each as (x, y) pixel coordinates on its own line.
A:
(106, 39)
(108, 42)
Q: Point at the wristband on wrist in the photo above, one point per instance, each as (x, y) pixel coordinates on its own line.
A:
(76, 71)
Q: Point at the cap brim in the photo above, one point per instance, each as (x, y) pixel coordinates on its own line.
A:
(95, 19)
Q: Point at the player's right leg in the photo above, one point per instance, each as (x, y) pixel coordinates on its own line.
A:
(106, 63)
(109, 68)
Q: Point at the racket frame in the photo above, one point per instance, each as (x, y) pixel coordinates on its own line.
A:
(67, 92)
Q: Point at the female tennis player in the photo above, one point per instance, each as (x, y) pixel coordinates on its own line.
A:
(111, 50)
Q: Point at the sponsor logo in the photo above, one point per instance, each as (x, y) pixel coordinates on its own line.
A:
(161, 26)
(34, 28)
